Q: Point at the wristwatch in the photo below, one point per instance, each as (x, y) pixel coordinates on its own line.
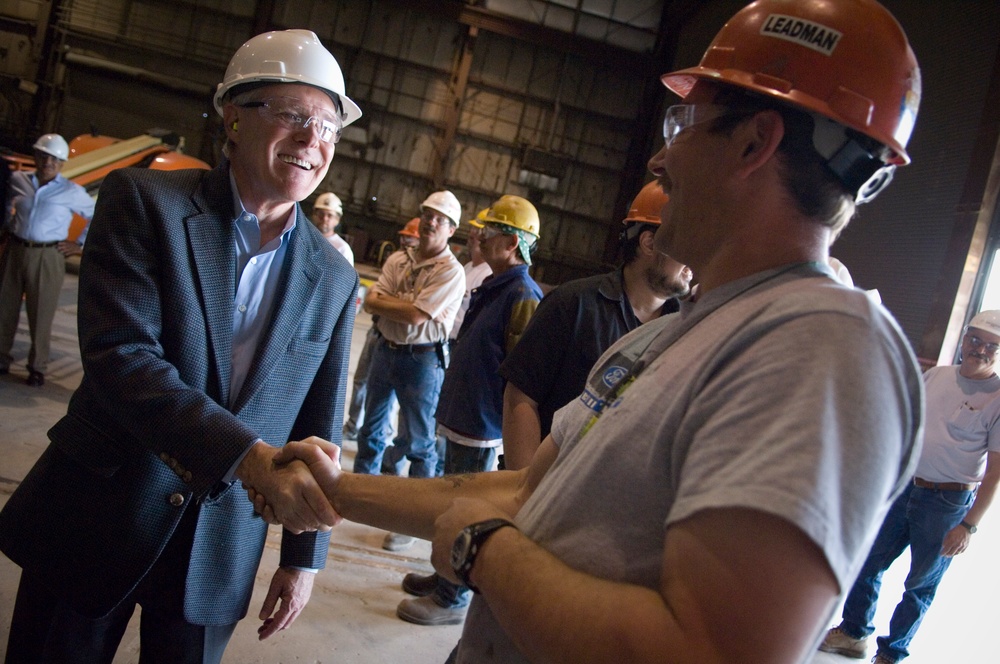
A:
(968, 526)
(467, 545)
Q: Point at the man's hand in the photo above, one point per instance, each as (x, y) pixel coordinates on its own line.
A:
(956, 541)
(461, 513)
(289, 490)
(67, 248)
(293, 587)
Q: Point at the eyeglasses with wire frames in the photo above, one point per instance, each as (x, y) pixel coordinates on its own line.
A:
(681, 117)
(988, 348)
(289, 113)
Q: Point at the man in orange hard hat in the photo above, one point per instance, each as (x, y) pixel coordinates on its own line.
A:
(716, 486)
(579, 320)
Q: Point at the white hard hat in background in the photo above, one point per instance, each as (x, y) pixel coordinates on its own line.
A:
(446, 203)
(53, 144)
(287, 56)
(988, 321)
(329, 201)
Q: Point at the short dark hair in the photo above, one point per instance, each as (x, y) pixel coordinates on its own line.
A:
(817, 193)
(629, 243)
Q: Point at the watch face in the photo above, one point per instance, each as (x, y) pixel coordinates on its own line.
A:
(460, 549)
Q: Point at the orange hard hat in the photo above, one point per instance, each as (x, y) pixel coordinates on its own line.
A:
(647, 205)
(411, 228)
(846, 60)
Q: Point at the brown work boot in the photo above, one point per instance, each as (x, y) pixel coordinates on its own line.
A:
(841, 643)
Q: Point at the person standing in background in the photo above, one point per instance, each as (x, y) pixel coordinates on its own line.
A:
(35, 260)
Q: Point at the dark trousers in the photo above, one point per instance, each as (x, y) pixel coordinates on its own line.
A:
(44, 629)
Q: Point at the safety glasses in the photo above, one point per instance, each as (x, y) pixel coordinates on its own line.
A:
(289, 113)
(684, 116)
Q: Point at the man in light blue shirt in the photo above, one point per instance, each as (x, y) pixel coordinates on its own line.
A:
(44, 203)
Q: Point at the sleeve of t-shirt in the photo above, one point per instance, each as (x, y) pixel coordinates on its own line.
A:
(808, 423)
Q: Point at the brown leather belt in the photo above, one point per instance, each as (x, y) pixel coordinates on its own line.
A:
(32, 245)
(945, 486)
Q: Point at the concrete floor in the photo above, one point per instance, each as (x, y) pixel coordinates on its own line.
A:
(351, 617)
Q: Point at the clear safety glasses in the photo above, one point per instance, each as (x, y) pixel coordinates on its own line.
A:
(988, 348)
(684, 116)
(289, 113)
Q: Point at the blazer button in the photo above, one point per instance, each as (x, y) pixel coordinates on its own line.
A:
(176, 499)
(164, 457)
(187, 476)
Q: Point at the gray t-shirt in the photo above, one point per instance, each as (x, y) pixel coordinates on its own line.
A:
(784, 392)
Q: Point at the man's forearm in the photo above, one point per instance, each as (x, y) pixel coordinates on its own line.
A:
(394, 308)
(410, 506)
(522, 429)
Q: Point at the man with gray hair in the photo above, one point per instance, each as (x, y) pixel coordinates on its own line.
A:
(215, 325)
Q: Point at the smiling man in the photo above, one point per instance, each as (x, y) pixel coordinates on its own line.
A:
(215, 324)
(718, 483)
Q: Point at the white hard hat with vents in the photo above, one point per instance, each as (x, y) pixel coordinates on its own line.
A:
(329, 201)
(287, 56)
(988, 321)
(52, 144)
(446, 203)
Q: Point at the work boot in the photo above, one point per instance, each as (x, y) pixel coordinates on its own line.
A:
(397, 542)
(420, 585)
(425, 611)
(841, 643)
(35, 378)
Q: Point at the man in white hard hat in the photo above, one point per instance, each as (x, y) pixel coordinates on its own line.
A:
(327, 213)
(718, 483)
(939, 512)
(215, 324)
(415, 298)
(44, 203)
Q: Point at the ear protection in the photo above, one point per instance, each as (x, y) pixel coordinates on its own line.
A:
(235, 126)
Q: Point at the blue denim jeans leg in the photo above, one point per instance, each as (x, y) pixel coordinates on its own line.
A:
(920, 518)
(415, 378)
(461, 459)
(359, 387)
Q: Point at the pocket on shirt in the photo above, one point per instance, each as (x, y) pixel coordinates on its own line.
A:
(966, 423)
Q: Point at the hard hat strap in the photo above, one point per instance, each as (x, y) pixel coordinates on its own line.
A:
(856, 161)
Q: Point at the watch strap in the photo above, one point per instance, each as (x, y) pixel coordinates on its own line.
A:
(478, 534)
(968, 526)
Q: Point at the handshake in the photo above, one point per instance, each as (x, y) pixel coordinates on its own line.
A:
(294, 485)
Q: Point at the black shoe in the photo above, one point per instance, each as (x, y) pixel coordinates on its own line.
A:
(419, 584)
(4, 371)
(35, 378)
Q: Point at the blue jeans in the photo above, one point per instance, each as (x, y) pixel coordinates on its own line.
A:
(461, 459)
(415, 379)
(359, 388)
(920, 518)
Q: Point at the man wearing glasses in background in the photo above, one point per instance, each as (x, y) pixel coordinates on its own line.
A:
(720, 480)
(939, 512)
(215, 324)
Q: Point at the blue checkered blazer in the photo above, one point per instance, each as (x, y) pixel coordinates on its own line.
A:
(153, 421)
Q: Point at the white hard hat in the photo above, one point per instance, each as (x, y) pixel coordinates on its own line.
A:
(52, 144)
(988, 321)
(287, 56)
(446, 203)
(329, 201)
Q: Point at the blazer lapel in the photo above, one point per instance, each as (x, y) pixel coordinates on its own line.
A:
(300, 274)
(211, 238)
